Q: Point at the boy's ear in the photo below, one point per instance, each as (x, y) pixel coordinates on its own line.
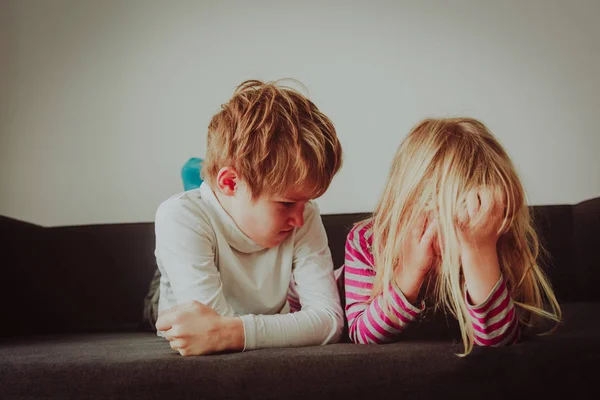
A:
(227, 181)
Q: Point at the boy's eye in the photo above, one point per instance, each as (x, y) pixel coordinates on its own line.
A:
(287, 203)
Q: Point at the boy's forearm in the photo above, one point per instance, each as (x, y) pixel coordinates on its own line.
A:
(481, 270)
(231, 334)
(303, 328)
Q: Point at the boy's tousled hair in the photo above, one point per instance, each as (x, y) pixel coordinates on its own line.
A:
(439, 162)
(276, 140)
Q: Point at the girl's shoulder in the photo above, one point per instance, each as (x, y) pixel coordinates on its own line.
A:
(361, 235)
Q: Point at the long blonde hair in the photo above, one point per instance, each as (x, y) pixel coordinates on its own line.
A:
(437, 164)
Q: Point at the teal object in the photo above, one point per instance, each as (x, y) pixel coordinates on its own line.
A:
(190, 174)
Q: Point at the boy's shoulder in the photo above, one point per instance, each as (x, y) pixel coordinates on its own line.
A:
(187, 207)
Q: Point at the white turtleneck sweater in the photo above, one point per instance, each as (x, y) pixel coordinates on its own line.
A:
(202, 255)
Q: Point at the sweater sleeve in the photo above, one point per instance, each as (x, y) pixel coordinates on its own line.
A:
(494, 321)
(367, 320)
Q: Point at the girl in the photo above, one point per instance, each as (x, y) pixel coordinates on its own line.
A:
(453, 216)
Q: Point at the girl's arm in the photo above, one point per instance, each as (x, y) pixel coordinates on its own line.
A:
(367, 321)
(488, 299)
(494, 320)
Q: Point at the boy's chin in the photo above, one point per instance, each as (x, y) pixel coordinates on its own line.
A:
(275, 240)
(267, 242)
(272, 243)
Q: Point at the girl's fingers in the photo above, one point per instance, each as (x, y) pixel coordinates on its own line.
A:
(500, 210)
(487, 200)
(500, 200)
(487, 207)
(473, 204)
(429, 233)
(462, 218)
(418, 227)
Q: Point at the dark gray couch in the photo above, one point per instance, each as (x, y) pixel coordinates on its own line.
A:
(72, 327)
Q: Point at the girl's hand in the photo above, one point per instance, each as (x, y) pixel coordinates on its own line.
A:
(478, 232)
(416, 257)
(480, 220)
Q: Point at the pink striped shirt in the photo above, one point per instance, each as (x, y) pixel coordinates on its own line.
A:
(494, 321)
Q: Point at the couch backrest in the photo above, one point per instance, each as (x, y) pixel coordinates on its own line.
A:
(95, 277)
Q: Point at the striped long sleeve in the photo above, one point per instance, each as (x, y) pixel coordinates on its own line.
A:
(367, 321)
(494, 321)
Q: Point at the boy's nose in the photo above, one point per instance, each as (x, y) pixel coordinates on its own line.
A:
(297, 217)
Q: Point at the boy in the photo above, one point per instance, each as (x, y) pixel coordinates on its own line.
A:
(229, 251)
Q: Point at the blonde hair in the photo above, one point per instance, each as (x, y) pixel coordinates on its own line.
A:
(435, 167)
(276, 139)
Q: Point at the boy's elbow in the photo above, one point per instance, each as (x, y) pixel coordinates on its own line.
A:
(338, 328)
(336, 323)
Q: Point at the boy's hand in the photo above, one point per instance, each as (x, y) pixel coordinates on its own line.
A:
(196, 329)
(478, 227)
(416, 257)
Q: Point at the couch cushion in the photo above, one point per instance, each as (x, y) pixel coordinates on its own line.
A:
(129, 365)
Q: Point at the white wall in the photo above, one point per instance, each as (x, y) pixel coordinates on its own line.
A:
(103, 101)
